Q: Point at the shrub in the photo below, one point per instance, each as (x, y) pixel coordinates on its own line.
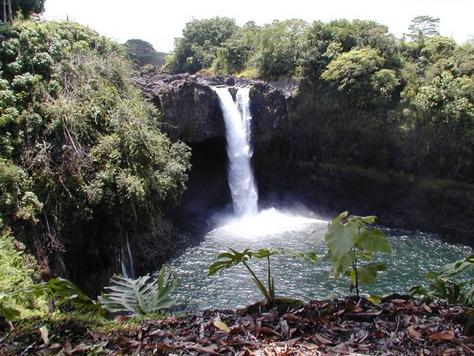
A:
(17, 271)
(65, 296)
(78, 138)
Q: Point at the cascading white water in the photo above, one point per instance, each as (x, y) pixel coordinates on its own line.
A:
(237, 120)
(127, 258)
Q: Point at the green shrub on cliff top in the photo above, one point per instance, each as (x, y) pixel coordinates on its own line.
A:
(76, 137)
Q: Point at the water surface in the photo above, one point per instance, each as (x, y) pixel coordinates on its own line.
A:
(414, 254)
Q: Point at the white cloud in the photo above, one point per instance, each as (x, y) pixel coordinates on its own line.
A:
(159, 22)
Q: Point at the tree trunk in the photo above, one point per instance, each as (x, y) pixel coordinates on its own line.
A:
(9, 10)
(4, 11)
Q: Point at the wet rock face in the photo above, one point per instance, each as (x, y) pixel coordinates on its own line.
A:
(269, 112)
(191, 111)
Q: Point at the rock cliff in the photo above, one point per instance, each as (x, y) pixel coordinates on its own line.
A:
(293, 158)
(190, 109)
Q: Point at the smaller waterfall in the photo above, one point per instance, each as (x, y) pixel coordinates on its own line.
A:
(237, 120)
(127, 258)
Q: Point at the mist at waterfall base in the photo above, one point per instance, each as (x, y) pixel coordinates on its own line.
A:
(296, 230)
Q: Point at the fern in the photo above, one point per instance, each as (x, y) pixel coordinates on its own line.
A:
(141, 296)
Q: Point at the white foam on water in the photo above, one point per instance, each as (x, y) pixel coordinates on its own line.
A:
(267, 223)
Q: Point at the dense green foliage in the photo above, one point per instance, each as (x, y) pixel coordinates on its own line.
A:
(381, 102)
(17, 271)
(65, 296)
(350, 241)
(77, 140)
(142, 53)
(141, 296)
(19, 297)
(200, 43)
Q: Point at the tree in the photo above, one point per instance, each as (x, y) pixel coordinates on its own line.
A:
(422, 27)
(438, 47)
(142, 53)
(239, 51)
(324, 41)
(198, 47)
(281, 48)
(352, 71)
(11, 8)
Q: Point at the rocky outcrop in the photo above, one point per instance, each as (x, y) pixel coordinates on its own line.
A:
(91, 262)
(269, 111)
(190, 109)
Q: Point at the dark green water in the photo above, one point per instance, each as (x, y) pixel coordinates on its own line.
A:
(414, 254)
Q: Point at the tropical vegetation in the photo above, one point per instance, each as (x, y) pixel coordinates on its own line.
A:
(350, 241)
(83, 157)
(230, 259)
(399, 105)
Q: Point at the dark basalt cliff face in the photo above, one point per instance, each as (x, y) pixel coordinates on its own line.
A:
(191, 111)
(91, 262)
(292, 159)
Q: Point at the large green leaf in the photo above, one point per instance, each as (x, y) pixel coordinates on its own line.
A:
(445, 288)
(419, 291)
(364, 220)
(141, 296)
(368, 274)
(263, 253)
(66, 295)
(343, 263)
(373, 240)
(341, 237)
(457, 267)
(468, 297)
(229, 259)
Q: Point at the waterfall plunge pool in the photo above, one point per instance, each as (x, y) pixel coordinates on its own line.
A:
(413, 255)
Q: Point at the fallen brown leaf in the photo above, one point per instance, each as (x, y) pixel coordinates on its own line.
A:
(323, 340)
(218, 323)
(413, 333)
(427, 308)
(444, 335)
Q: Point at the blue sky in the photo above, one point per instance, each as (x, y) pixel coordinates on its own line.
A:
(159, 22)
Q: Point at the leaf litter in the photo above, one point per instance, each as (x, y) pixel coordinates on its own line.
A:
(396, 326)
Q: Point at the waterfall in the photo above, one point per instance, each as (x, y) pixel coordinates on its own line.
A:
(237, 120)
(127, 257)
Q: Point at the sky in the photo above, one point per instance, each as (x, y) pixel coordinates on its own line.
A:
(160, 21)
